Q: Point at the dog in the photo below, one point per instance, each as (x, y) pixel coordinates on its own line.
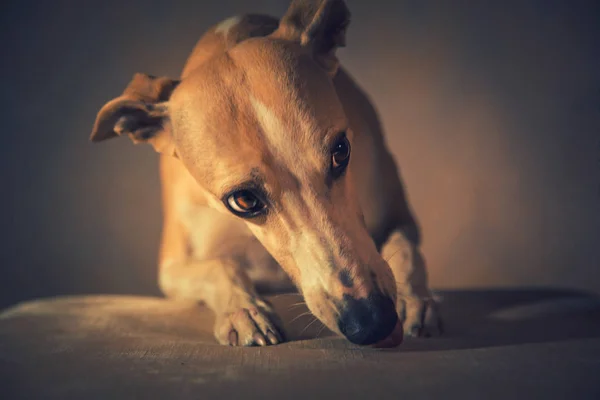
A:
(275, 173)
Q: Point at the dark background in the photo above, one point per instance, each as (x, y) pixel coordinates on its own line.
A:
(492, 109)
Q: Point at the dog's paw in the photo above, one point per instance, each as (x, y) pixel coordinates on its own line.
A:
(250, 326)
(420, 316)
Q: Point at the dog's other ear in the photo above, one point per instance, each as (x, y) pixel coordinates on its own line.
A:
(320, 26)
(141, 112)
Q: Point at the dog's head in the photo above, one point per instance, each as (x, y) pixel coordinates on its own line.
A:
(264, 133)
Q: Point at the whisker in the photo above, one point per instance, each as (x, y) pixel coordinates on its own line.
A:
(299, 316)
(321, 331)
(285, 294)
(392, 256)
(306, 327)
(336, 312)
(296, 305)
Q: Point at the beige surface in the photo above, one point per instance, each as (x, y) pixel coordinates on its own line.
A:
(500, 344)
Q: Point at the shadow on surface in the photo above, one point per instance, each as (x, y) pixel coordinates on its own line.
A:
(478, 318)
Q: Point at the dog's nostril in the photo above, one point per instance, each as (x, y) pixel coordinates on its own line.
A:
(367, 321)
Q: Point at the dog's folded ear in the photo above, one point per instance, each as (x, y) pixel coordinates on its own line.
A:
(141, 112)
(320, 26)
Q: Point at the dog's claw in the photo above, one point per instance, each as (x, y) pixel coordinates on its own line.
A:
(415, 331)
(252, 326)
(420, 317)
(272, 338)
(259, 339)
(233, 338)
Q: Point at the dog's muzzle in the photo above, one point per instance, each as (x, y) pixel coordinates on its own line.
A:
(369, 320)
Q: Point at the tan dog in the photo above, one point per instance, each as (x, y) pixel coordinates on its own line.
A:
(273, 160)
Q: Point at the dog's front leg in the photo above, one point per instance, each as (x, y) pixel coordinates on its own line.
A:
(242, 318)
(415, 304)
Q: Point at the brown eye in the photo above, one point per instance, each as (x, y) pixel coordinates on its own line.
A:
(244, 203)
(340, 155)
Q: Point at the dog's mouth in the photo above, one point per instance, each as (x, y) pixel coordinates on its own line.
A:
(393, 340)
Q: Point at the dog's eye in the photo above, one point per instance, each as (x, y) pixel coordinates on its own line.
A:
(245, 203)
(340, 155)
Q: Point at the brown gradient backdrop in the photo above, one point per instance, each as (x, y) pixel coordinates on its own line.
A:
(492, 109)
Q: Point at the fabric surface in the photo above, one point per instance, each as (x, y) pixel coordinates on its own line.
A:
(499, 344)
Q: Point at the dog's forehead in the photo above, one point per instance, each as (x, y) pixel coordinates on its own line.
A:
(255, 108)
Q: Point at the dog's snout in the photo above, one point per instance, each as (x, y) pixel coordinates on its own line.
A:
(369, 320)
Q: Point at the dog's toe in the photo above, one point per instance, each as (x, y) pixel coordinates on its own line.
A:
(247, 327)
(420, 317)
(273, 339)
(232, 338)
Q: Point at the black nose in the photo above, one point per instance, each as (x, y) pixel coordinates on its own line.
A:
(367, 321)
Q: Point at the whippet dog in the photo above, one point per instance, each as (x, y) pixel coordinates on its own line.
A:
(275, 172)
